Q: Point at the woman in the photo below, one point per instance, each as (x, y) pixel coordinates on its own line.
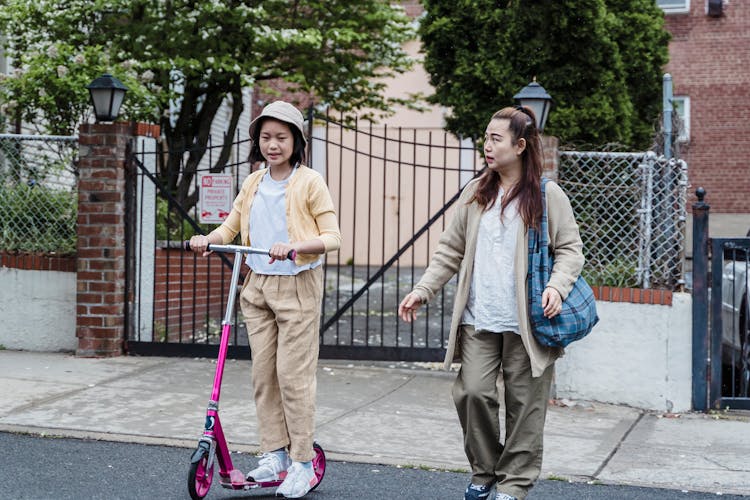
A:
(486, 244)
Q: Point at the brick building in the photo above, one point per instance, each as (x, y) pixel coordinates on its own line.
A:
(710, 66)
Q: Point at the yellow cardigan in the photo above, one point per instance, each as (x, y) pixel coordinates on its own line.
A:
(309, 212)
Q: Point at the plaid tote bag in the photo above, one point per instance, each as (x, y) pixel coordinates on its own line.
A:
(578, 315)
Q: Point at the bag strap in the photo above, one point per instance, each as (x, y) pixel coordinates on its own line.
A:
(543, 225)
(538, 239)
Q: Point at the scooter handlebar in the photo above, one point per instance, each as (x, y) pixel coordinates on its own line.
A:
(238, 248)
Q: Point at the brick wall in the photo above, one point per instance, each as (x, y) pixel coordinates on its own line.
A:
(187, 291)
(633, 295)
(710, 63)
(550, 147)
(413, 8)
(37, 262)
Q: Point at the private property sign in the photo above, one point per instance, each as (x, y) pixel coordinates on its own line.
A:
(215, 198)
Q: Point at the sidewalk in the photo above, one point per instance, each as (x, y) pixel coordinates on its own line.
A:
(397, 414)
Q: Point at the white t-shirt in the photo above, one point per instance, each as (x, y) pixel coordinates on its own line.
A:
(492, 304)
(268, 225)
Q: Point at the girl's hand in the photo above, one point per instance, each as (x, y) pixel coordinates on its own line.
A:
(551, 302)
(279, 251)
(407, 309)
(199, 244)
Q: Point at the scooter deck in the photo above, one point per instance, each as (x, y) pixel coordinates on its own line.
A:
(248, 485)
(235, 479)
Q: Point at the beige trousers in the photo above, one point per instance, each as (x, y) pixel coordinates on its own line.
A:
(515, 463)
(282, 314)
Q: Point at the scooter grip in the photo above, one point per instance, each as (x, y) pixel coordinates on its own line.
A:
(186, 245)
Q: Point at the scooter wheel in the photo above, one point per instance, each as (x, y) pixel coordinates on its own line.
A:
(199, 478)
(319, 464)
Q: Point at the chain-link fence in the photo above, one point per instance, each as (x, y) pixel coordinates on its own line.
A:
(38, 196)
(631, 208)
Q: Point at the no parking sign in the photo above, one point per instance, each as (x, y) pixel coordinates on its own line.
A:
(215, 198)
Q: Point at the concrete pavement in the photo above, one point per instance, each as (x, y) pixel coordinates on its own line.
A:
(389, 413)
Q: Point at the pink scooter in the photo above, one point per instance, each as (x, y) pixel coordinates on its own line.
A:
(212, 446)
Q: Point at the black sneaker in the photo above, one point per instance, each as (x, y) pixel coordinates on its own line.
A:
(480, 492)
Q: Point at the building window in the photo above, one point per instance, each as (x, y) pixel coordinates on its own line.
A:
(674, 6)
(681, 106)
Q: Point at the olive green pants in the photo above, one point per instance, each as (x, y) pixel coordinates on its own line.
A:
(282, 314)
(516, 462)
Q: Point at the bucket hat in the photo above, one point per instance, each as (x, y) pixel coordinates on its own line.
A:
(282, 111)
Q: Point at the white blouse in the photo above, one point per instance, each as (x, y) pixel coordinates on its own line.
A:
(492, 302)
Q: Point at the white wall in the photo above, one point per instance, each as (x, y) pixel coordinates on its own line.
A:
(38, 310)
(145, 231)
(639, 355)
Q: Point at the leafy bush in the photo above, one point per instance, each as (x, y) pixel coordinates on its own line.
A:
(37, 219)
(618, 273)
(171, 226)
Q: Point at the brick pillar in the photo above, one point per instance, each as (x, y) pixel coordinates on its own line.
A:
(550, 146)
(100, 303)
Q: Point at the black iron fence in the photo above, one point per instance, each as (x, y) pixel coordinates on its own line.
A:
(175, 299)
(394, 189)
(721, 317)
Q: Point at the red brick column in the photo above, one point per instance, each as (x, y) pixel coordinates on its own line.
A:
(550, 146)
(101, 239)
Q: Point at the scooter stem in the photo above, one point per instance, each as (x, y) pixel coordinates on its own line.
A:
(226, 327)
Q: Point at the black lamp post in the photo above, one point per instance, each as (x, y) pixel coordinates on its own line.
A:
(107, 94)
(535, 97)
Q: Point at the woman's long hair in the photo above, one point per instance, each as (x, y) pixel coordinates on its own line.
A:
(522, 124)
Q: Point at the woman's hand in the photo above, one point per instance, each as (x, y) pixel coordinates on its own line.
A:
(199, 244)
(407, 309)
(551, 302)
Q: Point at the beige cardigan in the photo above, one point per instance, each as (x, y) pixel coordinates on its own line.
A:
(309, 212)
(455, 254)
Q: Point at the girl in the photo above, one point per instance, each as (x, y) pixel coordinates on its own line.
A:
(486, 245)
(285, 206)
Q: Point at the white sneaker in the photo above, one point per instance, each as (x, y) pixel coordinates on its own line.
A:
(504, 496)
(270, 466)
(300, 479)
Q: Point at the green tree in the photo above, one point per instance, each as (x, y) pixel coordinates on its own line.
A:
(601, 60)
(638, 29)
(196, 54)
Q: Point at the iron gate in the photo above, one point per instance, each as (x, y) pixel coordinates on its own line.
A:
(393, 189)
(730, 331)
(721, 317)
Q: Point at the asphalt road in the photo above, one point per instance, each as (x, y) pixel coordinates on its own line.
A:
(41, 468)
